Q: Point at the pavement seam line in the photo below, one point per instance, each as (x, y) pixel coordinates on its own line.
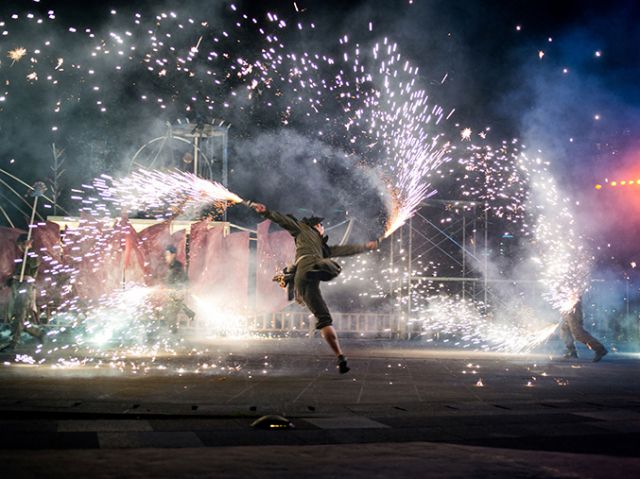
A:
(364, 379)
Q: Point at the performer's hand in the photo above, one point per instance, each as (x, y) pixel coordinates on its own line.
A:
(371, 245)
(259, 208)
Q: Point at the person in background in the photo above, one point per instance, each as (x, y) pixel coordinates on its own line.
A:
(573, 328)
(175, 281)
(22, 301)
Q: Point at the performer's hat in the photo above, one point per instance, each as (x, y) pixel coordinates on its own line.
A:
(312, 221)
(171, 249)
(22, 238)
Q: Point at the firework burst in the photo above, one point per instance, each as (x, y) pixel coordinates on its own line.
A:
(17, 54)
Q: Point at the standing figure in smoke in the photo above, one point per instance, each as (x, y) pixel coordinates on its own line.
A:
(23, 296)
(573, 328)
(312, 265)
(175, 281)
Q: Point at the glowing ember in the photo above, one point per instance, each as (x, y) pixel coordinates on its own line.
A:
(17, 54)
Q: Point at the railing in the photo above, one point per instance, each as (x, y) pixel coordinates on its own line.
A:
(283, 324)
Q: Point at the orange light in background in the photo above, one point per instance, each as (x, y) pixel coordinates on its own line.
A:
(598, 187)
(623, 182)
(613, 183)
(631, 182)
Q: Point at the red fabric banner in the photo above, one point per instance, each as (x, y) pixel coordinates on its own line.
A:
(274, 250)
(46, 243)
(8, 253)
(154, 240)
(197, 249)
(224, 279)
(82, 251)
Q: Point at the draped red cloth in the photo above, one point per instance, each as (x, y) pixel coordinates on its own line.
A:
(154, 241)
(82, 252)
(197, 249)
(46, 243)
(224, 279)
(8, 253)
(274, 250)
(124, 260)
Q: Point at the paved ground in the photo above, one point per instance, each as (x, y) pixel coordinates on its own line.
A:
(405, 409)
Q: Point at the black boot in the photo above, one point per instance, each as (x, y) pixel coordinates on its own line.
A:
(342, 364)
(600, 353)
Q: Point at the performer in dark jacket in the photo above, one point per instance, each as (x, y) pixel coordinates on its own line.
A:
(175, 280)
(22, 303)
(313, 264)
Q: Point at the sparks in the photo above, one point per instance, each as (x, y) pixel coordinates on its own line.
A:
(17, 54)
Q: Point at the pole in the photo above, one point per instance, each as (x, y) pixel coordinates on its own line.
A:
(26, 250)
(486, 253)
(225, 167)
(464, 252)
(195, 157)
(410, 261)
(391, 271)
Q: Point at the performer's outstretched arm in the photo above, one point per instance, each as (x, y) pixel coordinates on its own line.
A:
(283, 221)
(351, 249)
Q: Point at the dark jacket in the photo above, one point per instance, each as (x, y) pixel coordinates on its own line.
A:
(175, 277)
(31, 268)
(308, 240)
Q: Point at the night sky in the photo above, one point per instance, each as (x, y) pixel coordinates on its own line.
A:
(560, 76)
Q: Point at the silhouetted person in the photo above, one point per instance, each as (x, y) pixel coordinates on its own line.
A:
(313, 265)
(23, 299)
(175, 280)
(573, 328)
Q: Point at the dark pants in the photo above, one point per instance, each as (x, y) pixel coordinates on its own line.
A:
(170, 310)
(573, 328)
(20, 308)
(308, 287)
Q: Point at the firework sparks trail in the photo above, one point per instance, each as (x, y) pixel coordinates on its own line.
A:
(463, 320)
(499, 180)
(563, 258)
(156, 190)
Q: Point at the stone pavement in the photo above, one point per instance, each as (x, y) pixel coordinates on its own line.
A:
(405, 409)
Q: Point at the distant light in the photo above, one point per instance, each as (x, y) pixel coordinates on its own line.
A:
(613, 183)
(631, 182)
(571, 140)
(598, 187)
(565, 71)
(597, 117)
(518, 28)
(598, 54)
(113, 12)
(550, 39)
(623, 182)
